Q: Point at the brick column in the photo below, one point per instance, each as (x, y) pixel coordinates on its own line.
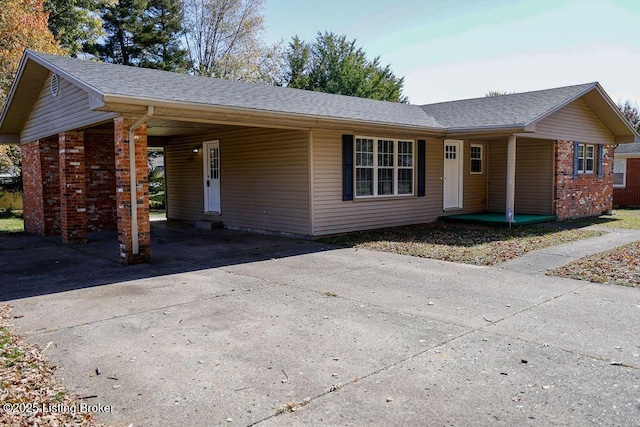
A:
(73, 204)
(41, 181)
(33, 205)
(123, 193)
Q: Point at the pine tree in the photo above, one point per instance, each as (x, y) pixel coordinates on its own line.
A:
(74, 23)
(334, 64)
(160, 37)
(123, 24)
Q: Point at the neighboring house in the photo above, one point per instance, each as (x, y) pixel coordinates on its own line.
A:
(10, 196)
(626, 175)
(290, 161)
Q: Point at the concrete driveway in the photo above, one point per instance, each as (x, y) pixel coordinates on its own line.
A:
(227, 328)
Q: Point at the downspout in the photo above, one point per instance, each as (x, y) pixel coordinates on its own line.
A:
(132, 179)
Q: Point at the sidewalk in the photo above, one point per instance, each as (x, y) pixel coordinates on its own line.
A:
(540, 261)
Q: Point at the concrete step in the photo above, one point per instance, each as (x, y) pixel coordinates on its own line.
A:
(209, 224)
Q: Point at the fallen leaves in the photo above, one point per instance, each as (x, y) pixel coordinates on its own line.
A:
(618, 266)
(28, 385)
(466, 244)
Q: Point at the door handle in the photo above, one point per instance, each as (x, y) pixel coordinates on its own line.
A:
(208, 184)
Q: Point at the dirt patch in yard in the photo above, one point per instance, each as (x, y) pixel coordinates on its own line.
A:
(461, 243)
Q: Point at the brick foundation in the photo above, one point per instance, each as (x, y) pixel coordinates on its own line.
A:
(586, 195)
(121, 134)
(41, 180)
(630, 194)
(73, 206)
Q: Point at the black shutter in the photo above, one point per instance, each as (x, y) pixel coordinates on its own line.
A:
(575, 159)
(422, 158)
(347, 167)
(600, 156)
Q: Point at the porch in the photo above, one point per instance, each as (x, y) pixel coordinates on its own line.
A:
(497, 218)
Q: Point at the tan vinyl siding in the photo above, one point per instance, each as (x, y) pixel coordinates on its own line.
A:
(263, 176)
(475, 185)
(497, 176)
(534, 176)
(67, 111)
(575, 122)
(332, 215)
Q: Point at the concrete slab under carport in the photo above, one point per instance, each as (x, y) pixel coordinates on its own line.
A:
(205, 334)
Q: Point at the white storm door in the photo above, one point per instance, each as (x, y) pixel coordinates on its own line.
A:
(452, 185)
(211, 158)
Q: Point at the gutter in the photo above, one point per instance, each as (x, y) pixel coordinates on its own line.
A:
(132, 179)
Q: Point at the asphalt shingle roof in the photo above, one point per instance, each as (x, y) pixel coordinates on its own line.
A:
(167, 86)
(504, 110)
(633, 148)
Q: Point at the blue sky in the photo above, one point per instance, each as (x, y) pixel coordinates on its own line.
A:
(463, 49)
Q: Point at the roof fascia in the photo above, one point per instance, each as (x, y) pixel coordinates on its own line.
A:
(14, 85)
(616, 110)
(505, 130)
(626, 155)
(6, 139)
(179, 105)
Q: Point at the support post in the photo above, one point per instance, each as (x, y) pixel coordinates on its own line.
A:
(73, 198)
(132, 206)
(511, 179)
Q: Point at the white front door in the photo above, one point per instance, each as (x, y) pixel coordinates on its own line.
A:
(452, 185)
(211, 166)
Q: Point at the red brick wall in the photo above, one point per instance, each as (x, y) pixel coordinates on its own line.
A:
(630, 195)
(49, 161)
(73, 208)
(101, 182)
(32, 184)
(121, 135)
(587, 195)
(41, 178)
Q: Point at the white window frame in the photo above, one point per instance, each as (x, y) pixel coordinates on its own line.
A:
(624, 173)
(584, 158)
(471, 159)
(376, 167)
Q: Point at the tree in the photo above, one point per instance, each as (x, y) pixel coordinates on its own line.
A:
(497, 93)
(630, 110)
(335, 65)
(144, 33)
(122, 22)
(160, 37)
(74, 23)
(23, 25)
(223, 39)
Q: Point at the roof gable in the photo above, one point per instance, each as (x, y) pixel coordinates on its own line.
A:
(519, 109)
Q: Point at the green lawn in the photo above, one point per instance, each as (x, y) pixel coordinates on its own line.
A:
(11, 222)
(619, 218)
